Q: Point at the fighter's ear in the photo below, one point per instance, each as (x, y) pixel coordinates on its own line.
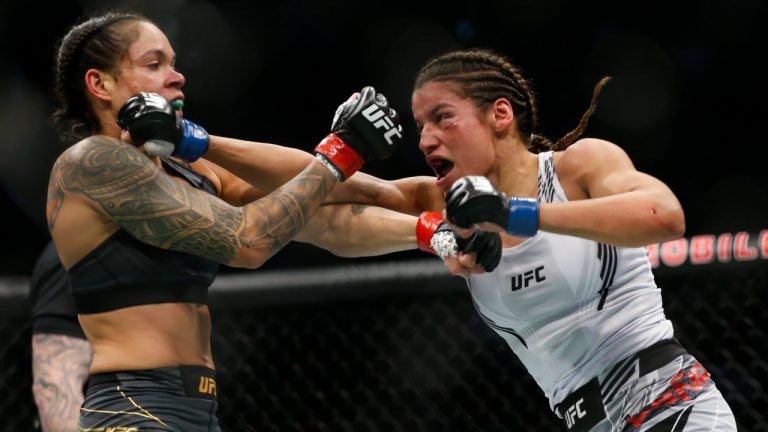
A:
(100, 84)
(501, 114)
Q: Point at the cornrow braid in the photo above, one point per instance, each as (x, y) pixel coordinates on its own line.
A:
(98, 42)
(485, 76)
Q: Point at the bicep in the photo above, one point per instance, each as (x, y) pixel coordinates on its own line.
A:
(601, 169)
(134, 193)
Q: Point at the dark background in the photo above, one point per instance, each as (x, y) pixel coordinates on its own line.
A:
(687, 102)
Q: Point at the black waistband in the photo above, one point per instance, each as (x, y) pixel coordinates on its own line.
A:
(659, 354)
(196, 381)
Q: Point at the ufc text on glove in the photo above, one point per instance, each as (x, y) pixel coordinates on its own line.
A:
(363, 129)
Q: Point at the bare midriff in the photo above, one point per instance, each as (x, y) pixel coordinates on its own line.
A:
(149, 337)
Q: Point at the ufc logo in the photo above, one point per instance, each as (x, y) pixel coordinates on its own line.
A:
(153, 100)
(574, 413)
(380, 121)
(523, 280)
(481, 184)
(207, 385)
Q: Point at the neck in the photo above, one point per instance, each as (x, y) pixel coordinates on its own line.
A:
(109, 128)
(517, 170)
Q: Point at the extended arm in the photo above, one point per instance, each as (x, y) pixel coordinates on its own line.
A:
(267, 166)
(120, 182)
(609, 201)
(620, 205)
(354, 230)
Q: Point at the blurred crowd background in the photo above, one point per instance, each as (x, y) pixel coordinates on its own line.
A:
(687, 102)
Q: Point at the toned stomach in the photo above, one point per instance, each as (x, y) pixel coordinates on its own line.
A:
(149, 336)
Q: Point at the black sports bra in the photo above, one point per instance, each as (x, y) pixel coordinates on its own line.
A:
(123, 271)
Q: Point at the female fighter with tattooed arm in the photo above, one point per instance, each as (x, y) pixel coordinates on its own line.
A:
(142, 237)
(141, 246)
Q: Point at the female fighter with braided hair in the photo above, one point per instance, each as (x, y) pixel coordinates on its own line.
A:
(142, 233)
(573, 295)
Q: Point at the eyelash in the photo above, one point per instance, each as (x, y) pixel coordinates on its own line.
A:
(438, 119)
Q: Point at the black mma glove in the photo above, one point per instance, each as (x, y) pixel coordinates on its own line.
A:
(473, 199)
(487, 246)
(149, 117)
(363, 129)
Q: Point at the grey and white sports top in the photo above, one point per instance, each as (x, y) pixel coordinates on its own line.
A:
(569, 307)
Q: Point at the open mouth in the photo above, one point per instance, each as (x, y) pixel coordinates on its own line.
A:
(441, 167)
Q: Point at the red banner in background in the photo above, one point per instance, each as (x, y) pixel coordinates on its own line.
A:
(706, 249)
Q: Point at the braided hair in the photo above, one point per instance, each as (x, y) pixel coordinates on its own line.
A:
(485, 76)
(99, 42)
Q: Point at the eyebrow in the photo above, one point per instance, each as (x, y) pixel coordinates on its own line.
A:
(438, 107)
(158, 52)
(434, 110)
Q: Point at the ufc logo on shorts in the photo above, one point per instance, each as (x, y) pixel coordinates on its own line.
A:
(207, 386)
(380, 121)
(574, 413)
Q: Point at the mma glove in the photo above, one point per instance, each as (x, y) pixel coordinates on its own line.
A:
(435, 236)
(363, 129)
(473, 199)
(152, 121)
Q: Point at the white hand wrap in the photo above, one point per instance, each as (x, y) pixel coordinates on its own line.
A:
(157, 147)
(444, 244)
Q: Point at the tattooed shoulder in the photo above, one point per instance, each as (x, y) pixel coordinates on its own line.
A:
(100, 161)
(55, 198)
(91, 164)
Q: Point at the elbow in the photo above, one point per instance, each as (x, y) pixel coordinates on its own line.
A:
(673, 225)
(249, 259)
(677, 228)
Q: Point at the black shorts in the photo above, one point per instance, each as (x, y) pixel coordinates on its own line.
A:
(181, 398)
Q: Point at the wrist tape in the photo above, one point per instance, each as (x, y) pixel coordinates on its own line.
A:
(194, 141)
(434, 237)
(345, 160)
(523, 218)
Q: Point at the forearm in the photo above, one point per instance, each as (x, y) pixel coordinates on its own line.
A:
(268, 166)
(271, 222)
(410, 195)
(636, 218)
(265, 166)
(59, 367)
(352, 230)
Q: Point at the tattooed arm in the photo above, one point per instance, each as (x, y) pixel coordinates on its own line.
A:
(353, 230)
(122, 184)
(59, 368)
